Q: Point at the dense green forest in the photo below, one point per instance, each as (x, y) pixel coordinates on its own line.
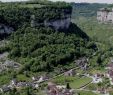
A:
(44, 48)
(20, 13)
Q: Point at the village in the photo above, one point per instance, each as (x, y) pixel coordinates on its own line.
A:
(67, 83)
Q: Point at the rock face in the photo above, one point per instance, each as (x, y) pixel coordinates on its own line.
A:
(104, 15)
(4, 29)
(58, 24)
(61, 23)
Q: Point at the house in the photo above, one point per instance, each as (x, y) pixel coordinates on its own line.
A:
(53, 89)
(110, 66)
(70, 73)
(21, 84)
(42, 78)
(13, 83)
(68, 92)
(82, 63)
(97, 78)
(110, 76)
(61, 86)
(35, 78)
(109, 73)
(102, 91)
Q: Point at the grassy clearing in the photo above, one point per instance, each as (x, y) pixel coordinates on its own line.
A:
(31, 6)
(80, 82)
(86, 93)
(92, 86)
(97, 31)
(95, 71)
(75, 82)
(21, 77)
(4, 79)
(40, 93)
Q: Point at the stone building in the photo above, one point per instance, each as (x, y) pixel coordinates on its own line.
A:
(105, 15)
(70, 73)
(53, 89)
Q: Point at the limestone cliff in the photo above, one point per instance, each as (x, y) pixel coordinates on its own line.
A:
(55, 15)
(4, 29)
(59, 23)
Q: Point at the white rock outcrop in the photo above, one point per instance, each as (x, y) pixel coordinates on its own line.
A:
(58, 24)
(104, 15)
(61, 23)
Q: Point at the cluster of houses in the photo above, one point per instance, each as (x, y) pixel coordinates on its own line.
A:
(71, 72)
(97, 78)
(82, 63)
(53, 89)
(35, 83)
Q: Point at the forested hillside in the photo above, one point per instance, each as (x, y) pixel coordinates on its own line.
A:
(20, 13)
(43, 48)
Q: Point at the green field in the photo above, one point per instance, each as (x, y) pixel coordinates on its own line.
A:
(31, 5)
(86, 93)
(80, 82)
(75, 82)
(98, 31)
(4, 79)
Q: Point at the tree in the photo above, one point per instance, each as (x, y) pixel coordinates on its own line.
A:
(68, 86)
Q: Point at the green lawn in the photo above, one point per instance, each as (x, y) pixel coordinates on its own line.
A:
(4, 79)
(86, 93)
(40, 93)
(75, 82)
(95, 30)
(31, 5)
(80, 82)
(92, 86)
(21, 77)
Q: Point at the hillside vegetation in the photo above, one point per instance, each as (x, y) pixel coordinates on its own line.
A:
(20, 13)
(42, 48)
(101, 33)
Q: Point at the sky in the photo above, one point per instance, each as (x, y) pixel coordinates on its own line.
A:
(76, 1)
(89, 1)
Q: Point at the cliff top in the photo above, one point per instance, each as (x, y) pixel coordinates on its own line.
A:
(36, 4)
